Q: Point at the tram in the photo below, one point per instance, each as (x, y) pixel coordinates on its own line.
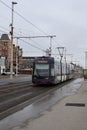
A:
(47, 70)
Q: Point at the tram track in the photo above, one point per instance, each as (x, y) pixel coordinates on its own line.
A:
(12, 96)
(22, 96)
(12, 90)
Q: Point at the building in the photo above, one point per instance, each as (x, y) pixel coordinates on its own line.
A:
(5, 51)
(2, 65)
(27, 64)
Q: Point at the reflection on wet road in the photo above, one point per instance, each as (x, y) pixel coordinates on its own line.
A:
(34, 110)
(19, 78)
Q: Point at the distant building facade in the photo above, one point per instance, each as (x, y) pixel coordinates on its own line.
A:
(2, 65)
(5, 51)
(28, 62)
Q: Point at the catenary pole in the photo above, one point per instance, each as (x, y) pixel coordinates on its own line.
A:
(11, 66)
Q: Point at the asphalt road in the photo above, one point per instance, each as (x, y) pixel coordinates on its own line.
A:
(37, 108)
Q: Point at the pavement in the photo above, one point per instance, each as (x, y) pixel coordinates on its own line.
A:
(72, 116)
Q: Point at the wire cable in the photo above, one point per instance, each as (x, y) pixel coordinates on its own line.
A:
(27, 20)
(23, 18)
(32, 45)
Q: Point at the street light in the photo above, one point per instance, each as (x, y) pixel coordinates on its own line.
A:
(61, 50)
(17, 54)
(11, 66)
(50, 48)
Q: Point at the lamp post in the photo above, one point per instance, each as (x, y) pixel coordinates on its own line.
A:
(11, 66)
(61, 50)
(50, 48)
(17, 58)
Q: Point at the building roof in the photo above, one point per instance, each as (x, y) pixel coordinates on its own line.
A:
(4, 37)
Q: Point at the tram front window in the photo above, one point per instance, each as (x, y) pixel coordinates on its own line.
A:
(41, 70)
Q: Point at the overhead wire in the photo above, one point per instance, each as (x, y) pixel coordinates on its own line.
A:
(26, 20)
(2, 31)
(29, 23)
(22, 34)
(32, 45)
(23, 40)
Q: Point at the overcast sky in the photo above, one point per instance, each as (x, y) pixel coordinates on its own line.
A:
(67, 19)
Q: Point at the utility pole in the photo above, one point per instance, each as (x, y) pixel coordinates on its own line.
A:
(50, 48)
(61, 50)
(49, 36)
(35, 36)
(17, 54)
(11, 66)
(20, 37)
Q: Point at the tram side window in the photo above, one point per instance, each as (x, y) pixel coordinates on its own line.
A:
(56, 69)
(64, 68)
(68, 69)
(52, 69)
(59, 69)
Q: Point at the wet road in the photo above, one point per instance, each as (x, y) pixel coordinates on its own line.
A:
(20, 78)
(37, 108)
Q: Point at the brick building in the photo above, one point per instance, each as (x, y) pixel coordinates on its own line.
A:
(27, 65)
(28, 62)
(5, 51)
